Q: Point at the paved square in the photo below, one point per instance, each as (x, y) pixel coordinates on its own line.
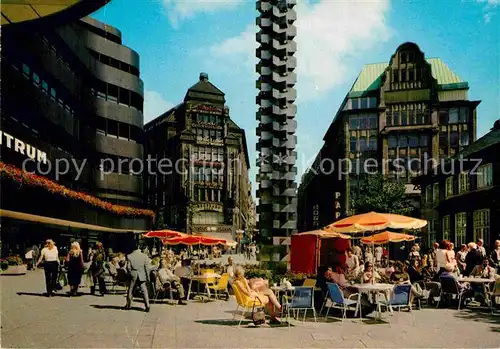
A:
(33, 321)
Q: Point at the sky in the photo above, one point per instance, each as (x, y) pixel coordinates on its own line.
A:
(178, 39)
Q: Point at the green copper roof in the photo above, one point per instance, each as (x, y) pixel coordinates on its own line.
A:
(371, 75)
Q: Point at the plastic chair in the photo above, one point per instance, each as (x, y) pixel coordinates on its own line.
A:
(221, 285)
(302, 299)
(245, 302)
(338, 300)
(450, 286)
(309, 283)
(400, 298)
(493, 295)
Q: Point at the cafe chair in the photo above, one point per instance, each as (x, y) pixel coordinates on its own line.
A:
(301, 299)
(338, 301)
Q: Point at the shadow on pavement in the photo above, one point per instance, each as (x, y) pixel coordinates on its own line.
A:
(481, 315)
(115, 307)
(41, 294)
(244, 323)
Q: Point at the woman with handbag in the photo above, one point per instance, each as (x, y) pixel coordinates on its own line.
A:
(265, 296)
(74, 260)
(50, 256)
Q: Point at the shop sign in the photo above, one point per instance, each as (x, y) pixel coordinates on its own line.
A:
(22, 147)
(338, 206)
(208, 207)
(316, 216)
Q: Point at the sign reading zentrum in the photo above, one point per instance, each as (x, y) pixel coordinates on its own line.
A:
(22, 147)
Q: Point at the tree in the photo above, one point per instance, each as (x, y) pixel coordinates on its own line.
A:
(381, 195)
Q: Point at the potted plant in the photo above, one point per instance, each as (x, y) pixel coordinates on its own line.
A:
(15, 266)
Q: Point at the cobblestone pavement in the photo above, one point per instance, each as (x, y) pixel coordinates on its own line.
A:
(30, 320)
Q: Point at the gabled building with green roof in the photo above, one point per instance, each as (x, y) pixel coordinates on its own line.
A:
(398, 115)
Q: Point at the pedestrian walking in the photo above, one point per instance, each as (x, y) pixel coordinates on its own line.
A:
(137, 267)
(97, 269)
(50, 256)
(74, 260)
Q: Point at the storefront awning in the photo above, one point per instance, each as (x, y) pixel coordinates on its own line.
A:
(20, 11)
(62, 222)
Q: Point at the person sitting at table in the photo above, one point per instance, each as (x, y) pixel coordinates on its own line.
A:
(166, 276)
(495, 256)
(472, 258)
(229, 267)
(370, 275)
(483, 270)
(462, 286)
(390, 269)
(266, 296)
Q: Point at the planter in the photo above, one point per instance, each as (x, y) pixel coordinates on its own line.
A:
(15, 270)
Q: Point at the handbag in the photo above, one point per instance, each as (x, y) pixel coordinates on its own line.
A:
(258, 316)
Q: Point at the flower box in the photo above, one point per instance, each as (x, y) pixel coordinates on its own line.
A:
(15, 270)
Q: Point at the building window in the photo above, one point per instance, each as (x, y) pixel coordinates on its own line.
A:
(453, 115)
(449, 187)
(446, 227)
(388, 118)
(372, 143)
(432, 231)
(354, 144)
(355, 103)
(482, 225)
(464, 138)
(484, 176)
(460, 228)
(393, 141)
(463, 182)
(435, 193)
(372, 102)
(428, 194)
(464, 115)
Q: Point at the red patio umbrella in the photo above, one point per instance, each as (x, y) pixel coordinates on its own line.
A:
(164, 234)
(191, 240)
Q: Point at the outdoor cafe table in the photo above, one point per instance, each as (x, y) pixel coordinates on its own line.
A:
(282, 289)
(369, 288)
(201, 278)
(474, 280)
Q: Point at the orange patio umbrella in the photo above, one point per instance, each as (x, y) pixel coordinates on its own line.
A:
(325, 234)
(164, 234)
(191, 240)
(386, 237)
(374, 221)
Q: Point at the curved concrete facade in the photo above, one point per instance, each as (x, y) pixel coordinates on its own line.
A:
(117, 186)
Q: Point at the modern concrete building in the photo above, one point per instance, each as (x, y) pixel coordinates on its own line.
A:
(461, 199)
(200, 181)
(277, 189)
(72, 96)
(400, 114)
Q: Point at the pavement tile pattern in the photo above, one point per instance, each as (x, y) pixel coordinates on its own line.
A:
(30, 320)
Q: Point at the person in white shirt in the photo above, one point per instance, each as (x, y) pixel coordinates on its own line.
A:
(379, 251)
(166, 276)
(29, 258)
(50, 255)
(352, 263)
(480, 247)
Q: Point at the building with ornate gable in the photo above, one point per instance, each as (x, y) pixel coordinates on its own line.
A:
(199, 182)
(399, 113)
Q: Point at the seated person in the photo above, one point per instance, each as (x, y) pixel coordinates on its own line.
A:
(113, 266)
(414, 272)
(229, 268)
(166, 276)
(483, 270)
(390, 269)
(121, 272)
(462, 286)
(370, 275)
(266, 296)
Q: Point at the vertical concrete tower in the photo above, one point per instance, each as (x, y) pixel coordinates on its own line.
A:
(276, 115)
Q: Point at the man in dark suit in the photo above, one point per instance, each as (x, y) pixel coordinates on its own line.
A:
(473, 258)
(137, 267)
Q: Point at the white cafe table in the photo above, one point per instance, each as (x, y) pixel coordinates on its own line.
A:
(474, 280)
(201, 278)
(370, 288)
